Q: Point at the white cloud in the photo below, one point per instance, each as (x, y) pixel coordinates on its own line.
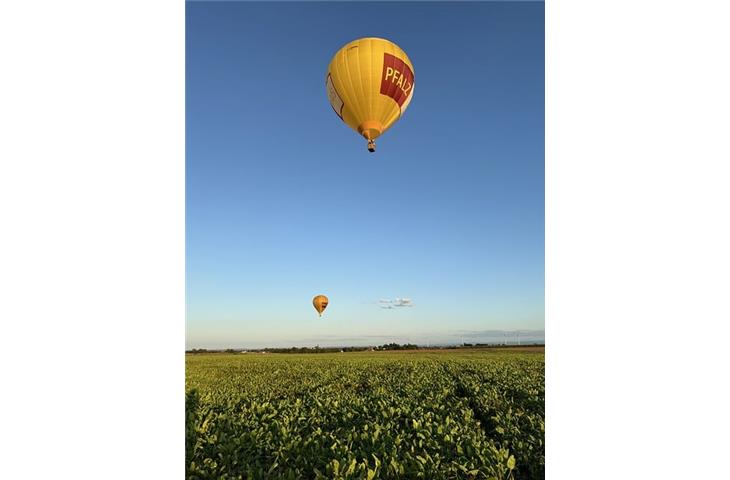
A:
(403, 302)
(398, 302)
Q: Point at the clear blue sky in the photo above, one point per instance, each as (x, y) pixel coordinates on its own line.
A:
(284, 202)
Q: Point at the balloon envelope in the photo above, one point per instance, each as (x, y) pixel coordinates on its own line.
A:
(320, 302)
(370, 83)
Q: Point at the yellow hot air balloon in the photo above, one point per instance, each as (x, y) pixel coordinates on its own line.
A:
(370, 82)
(320, 302)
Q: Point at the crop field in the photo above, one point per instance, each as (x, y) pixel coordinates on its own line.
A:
(471, 414)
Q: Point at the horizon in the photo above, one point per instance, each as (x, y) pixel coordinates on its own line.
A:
(526, 337)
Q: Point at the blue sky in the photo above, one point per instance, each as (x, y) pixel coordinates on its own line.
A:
(284, 202)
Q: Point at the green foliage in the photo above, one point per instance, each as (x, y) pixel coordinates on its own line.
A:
(365, 416)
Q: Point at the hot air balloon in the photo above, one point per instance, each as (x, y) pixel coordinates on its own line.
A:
(320, 302)
(370, 82)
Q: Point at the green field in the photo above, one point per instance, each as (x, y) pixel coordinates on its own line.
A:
(424, 414)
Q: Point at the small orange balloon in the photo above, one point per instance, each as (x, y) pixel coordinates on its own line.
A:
(320, 302)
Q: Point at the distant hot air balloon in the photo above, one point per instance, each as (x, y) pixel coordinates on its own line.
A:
(370, 83)
(320, 302)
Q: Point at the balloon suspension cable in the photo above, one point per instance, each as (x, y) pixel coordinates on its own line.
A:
(371, 146)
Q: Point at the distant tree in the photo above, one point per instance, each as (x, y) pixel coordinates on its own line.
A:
(396, 346)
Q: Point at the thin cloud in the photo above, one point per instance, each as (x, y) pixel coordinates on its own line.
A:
(403, 302)
(389, 304)
(482, 333)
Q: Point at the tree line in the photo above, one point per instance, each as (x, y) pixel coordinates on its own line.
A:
(387, 346)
